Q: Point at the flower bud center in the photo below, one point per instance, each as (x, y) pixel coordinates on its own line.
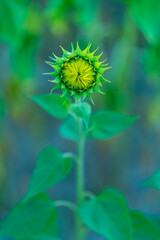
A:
(78, 74)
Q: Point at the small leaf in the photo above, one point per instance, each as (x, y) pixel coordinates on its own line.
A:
(81, 110)
(69, 129)
(106, 124)
(51, 167)
(34, 219)
(107, 214)
(54, 104)
(153, 181)
(144, 227)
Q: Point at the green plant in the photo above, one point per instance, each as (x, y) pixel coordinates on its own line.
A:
(35, 216)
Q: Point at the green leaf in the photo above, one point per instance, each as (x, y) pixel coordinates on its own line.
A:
(33, 219)
(146, 15)
(106, 124)
(51, 168)
(2, 107)
(22, 60)
(151, 67)
(153, 181)
(107, 214)
(69, 129)
(54, 104)
(144, 227)
(42, 238)
(81, 110)
(21, 35)
(12, 28)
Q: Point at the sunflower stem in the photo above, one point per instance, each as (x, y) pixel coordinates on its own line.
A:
(80, 175)
(68, 204)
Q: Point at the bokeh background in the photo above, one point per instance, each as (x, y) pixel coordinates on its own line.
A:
(128, 33)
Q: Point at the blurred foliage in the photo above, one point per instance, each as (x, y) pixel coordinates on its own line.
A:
(45, 175)
(34, 220)
(153, 115)
(151, 63)
(153, 181)
(2, 107)
(144, 227)
(83, 13)
(19, 30)
(128, 31)
(146, 15)
(55, 104)
(107, 208)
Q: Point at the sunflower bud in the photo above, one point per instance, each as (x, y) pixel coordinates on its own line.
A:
(78, 73)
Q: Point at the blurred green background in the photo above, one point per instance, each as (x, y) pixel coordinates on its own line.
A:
(128, 33)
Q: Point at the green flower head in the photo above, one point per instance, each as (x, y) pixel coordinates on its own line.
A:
(78, 73)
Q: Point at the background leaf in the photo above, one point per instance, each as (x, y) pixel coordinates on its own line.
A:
(146, 15)
(22, 57)
(54, 104)
(51, 167)
(107, 214)
(144, 227)
(12, 27)
(43, 238)
(33, 219)
(153, 181)
(2, 107)
(106, 124)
